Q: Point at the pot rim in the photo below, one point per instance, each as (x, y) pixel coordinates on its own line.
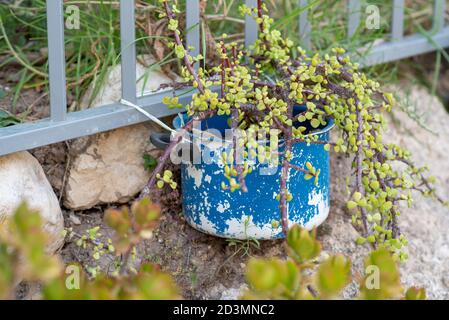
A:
(329, 126)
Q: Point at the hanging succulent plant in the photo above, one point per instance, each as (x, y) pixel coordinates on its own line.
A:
(258, 89)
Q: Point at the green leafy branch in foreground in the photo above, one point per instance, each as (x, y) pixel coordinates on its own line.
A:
(22, 252)
(23, 258)
(301, 276)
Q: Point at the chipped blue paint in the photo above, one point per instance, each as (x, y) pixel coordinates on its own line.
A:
(254, 214)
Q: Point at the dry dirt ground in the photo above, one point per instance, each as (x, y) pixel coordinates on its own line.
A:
(203, 266)
(32, 104)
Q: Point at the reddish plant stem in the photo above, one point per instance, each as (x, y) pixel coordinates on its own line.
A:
(395, 228)
(424, 181)
(258, 83)
(234, 55)
(187, 57)
(260, 14)
(283, 195)
(395, 232)
(315, 142)
(223, 71)
(339, 90)
(166, 155)
(278, 124)
(237, 150)
(250, 109)
(298, 168)
(283, 205)
(164, 158)
(359, 166)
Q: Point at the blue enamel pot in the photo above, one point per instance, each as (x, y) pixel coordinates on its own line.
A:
(254, 214)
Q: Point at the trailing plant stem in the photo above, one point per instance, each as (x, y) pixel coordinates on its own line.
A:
(359, 165)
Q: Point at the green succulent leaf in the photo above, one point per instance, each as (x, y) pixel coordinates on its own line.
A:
(302, 244)
(333, 275)
(415, 294)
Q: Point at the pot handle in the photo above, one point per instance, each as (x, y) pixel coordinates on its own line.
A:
(160, 140)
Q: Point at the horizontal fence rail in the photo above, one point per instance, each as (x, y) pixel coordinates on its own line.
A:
(63, 126)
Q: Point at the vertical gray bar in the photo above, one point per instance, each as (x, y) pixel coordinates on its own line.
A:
(397, 22)
(193, 27)
(250, 25)
(439, 9)
(128, 47)
(56, 60)
(304, 26)
(354, 12)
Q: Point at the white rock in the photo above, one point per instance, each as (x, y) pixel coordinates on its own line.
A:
(108, 167)
(22, 179)
(111, 89)
(220, 292)
(233, 293)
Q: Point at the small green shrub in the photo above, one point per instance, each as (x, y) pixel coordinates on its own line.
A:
(303, 276)
(23, 258)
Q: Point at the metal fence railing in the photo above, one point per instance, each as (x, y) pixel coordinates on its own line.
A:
(63, 125)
